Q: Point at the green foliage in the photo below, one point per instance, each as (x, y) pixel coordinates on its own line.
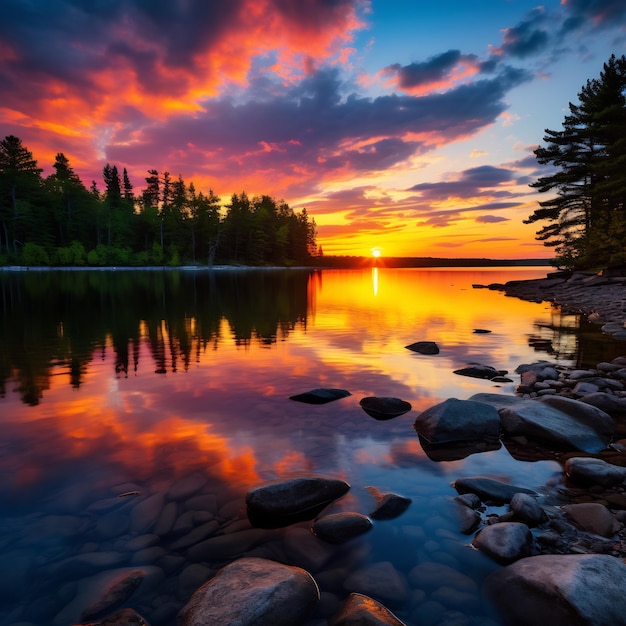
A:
(33, 255)
(586, 219)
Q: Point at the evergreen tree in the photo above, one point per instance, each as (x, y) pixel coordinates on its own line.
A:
(586, 219)
(20, 188)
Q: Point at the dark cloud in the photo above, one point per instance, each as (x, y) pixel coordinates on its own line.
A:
(528, 38)
(595, 13)
(434, 70)
(476, 181)
(491, 219)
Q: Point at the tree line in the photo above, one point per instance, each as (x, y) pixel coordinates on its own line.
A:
(56, 220)
(586, 219)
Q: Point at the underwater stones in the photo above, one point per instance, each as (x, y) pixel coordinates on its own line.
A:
(380, 580)
(488, 489)
(458, 420)
(560, 590)
(114, 594)
(252, 591)
(360, 610)
(590, 471)
(424, 347)
(279, 502)
(341, 527)
(504, 542)
(384, 408)
(320, 396)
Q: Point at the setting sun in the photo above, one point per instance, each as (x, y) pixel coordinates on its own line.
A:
(376, 252)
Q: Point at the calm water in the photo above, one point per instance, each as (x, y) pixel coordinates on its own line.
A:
(173, 387)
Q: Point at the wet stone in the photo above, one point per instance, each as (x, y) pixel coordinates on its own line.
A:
(341, 527)
(361, 610)
(504, 542)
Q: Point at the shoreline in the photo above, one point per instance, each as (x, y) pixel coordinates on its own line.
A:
(601, 298)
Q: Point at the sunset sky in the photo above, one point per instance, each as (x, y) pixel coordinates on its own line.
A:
(404, 126)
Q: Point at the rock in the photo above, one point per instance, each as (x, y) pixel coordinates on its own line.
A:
(252, 591)
(320, 396)
(226, 546)
(125, 617)
(275, 503)
(360, 610)
(186, 487)
(456, 450)
(380, 580)
(341, 527)
(560, 590)
(146, 513)
(488, 489)
(115, 594)
(504, 542)
(590, 471)
(525, 508)
(481, 331)
(199, 533)
(424, 347)
(567, 423)
(593, 517)
(477, 370)
(613, 405)
(389, 505)
(384, 408)
(469, 519)
(458, 420)
(430, 576)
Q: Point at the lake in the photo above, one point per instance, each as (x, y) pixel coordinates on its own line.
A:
(139, 407)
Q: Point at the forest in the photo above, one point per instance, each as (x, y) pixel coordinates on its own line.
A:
(58, 221)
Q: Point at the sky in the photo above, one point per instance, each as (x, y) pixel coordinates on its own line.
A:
(404, 127)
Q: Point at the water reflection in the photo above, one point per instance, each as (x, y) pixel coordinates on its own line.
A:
(174, 386)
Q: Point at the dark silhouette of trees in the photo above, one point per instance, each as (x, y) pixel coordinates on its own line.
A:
(58, 221)
(586, 220)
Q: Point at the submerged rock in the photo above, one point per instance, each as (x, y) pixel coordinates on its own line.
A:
(458, 420)
(341, 527)
(384, 408)
(320, 396)
(389, 505)
(488, 489)
(360, 610)
(424, 347)
(278, 502)
(560, 590)
(252, 591)
(478, 370)
(114, 594)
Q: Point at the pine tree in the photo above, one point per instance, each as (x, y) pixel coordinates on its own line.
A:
(586, 219)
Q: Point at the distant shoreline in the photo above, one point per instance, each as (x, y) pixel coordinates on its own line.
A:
(327, 264)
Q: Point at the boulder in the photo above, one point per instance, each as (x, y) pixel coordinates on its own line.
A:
(563, 422)
(525, 508)
(360, 610)
(341, 527)
(504, 542)
(113, 595)
(560, 590)
(384, 408)
(281, 502)
(252, 591)
(424, 347)
(489, 490)
(468, 518)
(613, 405)
(593, 517)
(458, 420)
(590, 471)
(320, 396)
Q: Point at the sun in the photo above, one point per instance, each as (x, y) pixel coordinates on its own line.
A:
(376, 252)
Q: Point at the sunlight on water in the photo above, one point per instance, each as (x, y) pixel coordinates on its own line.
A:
(175, 389)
